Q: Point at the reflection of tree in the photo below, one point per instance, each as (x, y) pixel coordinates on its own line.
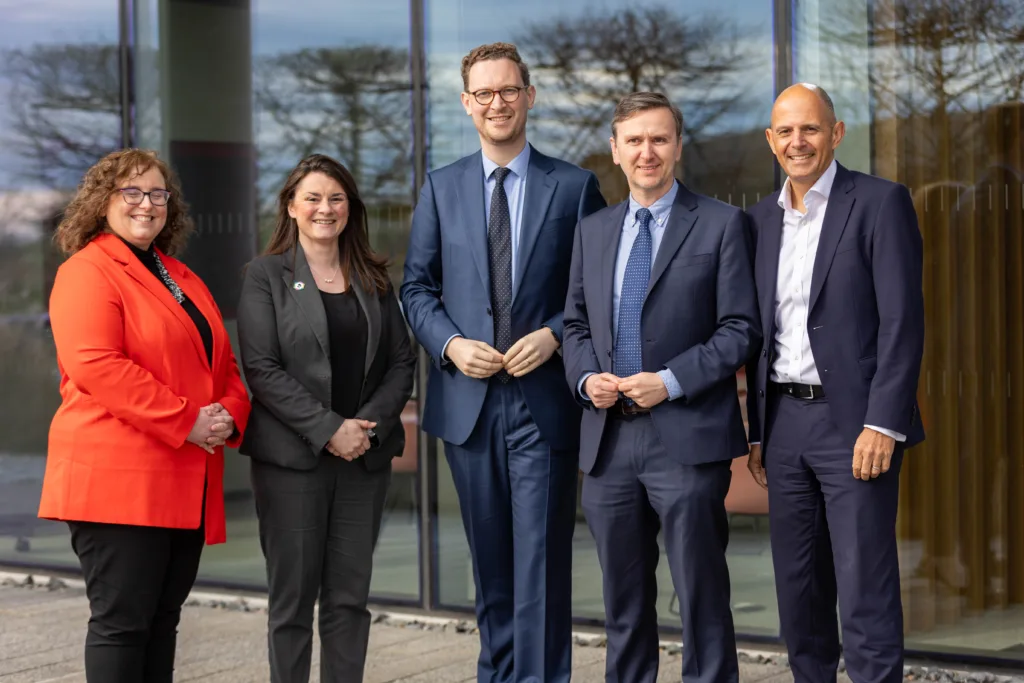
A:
(936, 61)
(585, 64)
(352, 103)
(63, 108)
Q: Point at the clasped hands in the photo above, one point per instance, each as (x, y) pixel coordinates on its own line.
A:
(646, 389)
(213, 427)
(351, 440)
(479, 360)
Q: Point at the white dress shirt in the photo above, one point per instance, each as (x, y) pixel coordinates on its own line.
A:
(794, 360)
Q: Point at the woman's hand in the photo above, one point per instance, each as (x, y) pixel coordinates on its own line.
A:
(351, 441)
(213, 426)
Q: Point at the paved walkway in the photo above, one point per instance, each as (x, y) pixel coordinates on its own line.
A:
(42, 630)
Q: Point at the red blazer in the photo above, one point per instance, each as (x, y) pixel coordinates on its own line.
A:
(134, 375)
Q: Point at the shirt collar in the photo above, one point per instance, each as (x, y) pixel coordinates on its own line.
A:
(659, 209)
(518, 165)
(822, 188)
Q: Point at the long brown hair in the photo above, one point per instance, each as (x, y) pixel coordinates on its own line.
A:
(353, 242)
(86, 215)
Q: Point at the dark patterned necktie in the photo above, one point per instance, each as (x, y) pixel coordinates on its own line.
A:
(499, 243)
(628, 359)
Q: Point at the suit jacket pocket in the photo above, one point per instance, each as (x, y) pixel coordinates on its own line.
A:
(694, 260)
(868, 366)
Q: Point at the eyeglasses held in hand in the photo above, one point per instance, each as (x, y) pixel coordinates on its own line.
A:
(134, 196)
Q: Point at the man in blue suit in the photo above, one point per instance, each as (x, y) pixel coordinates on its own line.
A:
(485, 281)
(660, 315)
(832, 393)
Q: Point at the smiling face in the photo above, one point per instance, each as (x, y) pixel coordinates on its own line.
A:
(804, 135)
(139, 224)
(647, 146)
(499, 123)
(320, 208)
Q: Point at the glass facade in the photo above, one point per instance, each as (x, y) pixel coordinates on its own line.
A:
(234, 92)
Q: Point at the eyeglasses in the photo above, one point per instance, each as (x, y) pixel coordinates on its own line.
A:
(508, 95)
(134, 196)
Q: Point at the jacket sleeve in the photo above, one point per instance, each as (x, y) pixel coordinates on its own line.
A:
(577, 347)
(702, 366)
(897, 263)
(423, 281)
(280, 393)
(387, 401)
(87, 319)
(591, 200)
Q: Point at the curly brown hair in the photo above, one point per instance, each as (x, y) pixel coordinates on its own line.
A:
(86, 215)
(354, 241)
(491, 51)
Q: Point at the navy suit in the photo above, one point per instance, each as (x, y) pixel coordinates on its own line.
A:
(834, 535)
(513, 448)
(669, 469)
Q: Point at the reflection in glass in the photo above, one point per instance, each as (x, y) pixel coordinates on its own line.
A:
(59, 112)
(716, 64)
(934, 93)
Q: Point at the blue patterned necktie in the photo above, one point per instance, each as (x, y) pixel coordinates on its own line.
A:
(499, 253)
(628, 353)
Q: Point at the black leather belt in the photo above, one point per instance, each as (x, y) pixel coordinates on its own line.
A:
(620, 409)
(804, 391)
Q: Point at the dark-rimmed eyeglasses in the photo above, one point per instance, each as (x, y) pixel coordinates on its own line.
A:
(134, 196)
(508, 95)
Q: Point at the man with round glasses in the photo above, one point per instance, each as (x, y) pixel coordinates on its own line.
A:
(486, 276)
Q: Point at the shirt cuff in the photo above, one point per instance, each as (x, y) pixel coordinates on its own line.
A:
(674, 390)
(444, 349)
(579, 386)
(888, 432)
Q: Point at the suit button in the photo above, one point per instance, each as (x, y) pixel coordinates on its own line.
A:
(824, 370)
(760, 392)
(609, 354)
(764, 353)
(488, 311)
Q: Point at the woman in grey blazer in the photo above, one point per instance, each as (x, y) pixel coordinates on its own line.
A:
(327, 357)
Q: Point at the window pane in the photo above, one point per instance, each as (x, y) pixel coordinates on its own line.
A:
(60, 111)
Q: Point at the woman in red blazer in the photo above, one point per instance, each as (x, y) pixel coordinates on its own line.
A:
(150, 394)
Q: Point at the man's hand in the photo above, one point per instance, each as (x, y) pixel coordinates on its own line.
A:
(645, 388)
(756, 466)
(602, 389)
(350, 441)
(872, 454)
(473, 358)
(530, 352)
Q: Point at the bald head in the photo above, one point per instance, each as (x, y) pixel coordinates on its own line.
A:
(804, 133)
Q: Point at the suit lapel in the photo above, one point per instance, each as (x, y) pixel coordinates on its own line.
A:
(771, 244)
(840, 203)
(302, 286)
(680, 223)
(540, 188)
(474, 219)
(608, 240)
(371, 309)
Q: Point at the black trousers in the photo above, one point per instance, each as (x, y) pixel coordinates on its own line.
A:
(318, 530)
(137, 579)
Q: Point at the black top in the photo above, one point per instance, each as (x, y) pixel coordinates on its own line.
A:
(148, 259)
(347, 331)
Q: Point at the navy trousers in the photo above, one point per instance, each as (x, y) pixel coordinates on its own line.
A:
(518, 501)
(635, 489)
(832, 537)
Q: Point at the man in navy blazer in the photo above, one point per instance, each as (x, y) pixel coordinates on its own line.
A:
(485, 281)
(832, 393)
(661, 314)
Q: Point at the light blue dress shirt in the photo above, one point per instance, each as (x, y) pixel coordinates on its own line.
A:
(660, 210)
(515, 190)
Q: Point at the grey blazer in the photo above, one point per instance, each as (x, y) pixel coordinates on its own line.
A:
(285, 350)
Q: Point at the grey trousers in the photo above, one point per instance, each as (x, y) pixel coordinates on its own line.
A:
(318, 530)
